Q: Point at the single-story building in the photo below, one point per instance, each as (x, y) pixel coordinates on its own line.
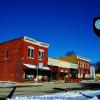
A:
(62, 68)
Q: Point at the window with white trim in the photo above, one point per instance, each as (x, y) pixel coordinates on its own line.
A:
(30, 52)
(41, 54)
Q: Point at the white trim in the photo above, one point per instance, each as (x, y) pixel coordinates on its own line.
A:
(46, 68)
(33, 41)
(30, 66)
(30, 47)
(35, 67)
(83, 58)
(41, 50)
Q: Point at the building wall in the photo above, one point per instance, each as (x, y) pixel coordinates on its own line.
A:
(35, 59)
(59, 73)
(61, 69)
(82, 64)
(92, 72)
(7, 65)
(83, 69)
(11, 68)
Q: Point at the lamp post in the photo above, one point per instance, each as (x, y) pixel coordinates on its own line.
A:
(37, 73)
(51, 74)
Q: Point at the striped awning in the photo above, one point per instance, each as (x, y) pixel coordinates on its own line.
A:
(35, 67)
(30, 66)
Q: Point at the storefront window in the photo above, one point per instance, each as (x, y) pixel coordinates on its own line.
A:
(29, 75)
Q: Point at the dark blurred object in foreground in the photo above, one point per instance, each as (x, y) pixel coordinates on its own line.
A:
(10, 94)
(96, 26)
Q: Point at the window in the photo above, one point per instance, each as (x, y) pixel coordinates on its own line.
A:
(28, 75)
(82, 64)
(79, 63)
(41, 54)
(6, 54)
(87, 66)
(30, 52)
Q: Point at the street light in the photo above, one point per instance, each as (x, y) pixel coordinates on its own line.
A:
(37, 72)
(51, 74)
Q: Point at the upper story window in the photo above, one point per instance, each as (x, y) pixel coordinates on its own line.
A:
(30, 52)
(87, 65)
(6, 54)
(82, 64)
(78, 62)
(41, 54)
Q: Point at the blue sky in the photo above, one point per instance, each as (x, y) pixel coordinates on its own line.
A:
(64, 24)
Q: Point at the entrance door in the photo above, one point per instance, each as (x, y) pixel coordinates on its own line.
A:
(83, 75)
(74, 73)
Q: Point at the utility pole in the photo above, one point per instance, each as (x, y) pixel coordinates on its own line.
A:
(51, 74)
(37, 73)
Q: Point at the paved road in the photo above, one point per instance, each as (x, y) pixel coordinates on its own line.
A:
(44, 89)
(41, 89)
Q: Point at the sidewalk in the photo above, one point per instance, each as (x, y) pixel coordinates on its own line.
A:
(6, 84)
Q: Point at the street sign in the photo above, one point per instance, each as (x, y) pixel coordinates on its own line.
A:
(41, 65)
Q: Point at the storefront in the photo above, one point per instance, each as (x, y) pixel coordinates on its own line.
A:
(36, 73)
(61, 69)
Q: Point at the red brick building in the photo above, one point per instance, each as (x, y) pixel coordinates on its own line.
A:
(83, 65)
(26, 59)
(19, 59)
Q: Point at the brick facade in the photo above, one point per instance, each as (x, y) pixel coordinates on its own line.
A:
(83, 68)
(11, 68)
(19, 56)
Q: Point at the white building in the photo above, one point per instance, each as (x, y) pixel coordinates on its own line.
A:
(92, 72)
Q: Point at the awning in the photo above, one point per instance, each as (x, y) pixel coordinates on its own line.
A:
(46, 68)
(60, 63)
(34, 67)
(30, 66)
(73, 66)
